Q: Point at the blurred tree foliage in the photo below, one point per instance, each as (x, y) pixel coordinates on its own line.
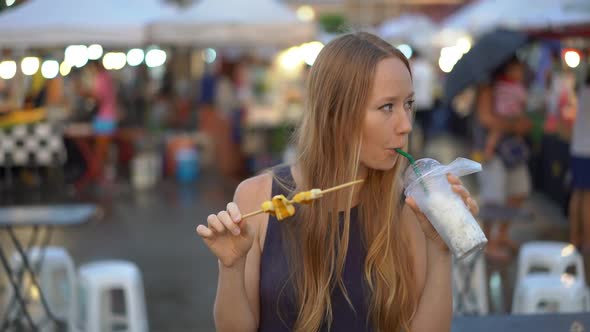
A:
(332, 23)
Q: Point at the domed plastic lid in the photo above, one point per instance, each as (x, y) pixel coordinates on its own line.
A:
(420, 169)
(428, 167)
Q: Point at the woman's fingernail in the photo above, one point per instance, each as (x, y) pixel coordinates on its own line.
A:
(236, 231)
(238, 218)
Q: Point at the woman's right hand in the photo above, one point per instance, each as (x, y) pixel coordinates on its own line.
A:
(227, 236)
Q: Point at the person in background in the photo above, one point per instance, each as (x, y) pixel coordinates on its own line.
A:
(579, 210)
(562, 103)
(505, 179)
(362, 259)
(424, 78)
(103, 92)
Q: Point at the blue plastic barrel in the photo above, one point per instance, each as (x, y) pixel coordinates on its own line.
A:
(187, 165)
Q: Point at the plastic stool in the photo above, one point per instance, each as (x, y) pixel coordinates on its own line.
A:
(559, 293)
(96, 281)
(57, 279)
(556, 257)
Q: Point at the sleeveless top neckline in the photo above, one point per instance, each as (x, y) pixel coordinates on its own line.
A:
(278, 308)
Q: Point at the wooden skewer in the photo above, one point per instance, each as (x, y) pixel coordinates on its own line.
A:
(252, 214)
(329, 190)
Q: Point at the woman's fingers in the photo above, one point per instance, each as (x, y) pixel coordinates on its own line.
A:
(222, 222)
(204, 232)
(234, 212)
(215, 224)
(473, 206)
(462, 191)
(453, 179)
(228, 223)
(412, 204)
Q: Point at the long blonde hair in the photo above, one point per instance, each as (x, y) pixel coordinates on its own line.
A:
(328, 153)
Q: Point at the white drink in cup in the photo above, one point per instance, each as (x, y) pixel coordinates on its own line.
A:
(445, 209)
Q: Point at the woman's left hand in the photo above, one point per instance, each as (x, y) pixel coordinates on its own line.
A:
(429, 231)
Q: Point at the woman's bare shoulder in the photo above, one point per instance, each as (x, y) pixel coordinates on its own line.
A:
(254, 186)
(251, 192)
(249, 195)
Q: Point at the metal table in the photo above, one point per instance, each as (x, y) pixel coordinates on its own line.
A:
(37, 218)
(578, 322)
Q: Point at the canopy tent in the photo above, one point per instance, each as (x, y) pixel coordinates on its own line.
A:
(477, 17)
(233, 23)
(485, 15)
(51, 23)
(415, 29)
(566, 16)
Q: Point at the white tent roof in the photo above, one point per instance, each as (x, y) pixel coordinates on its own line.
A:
(233, 23)
(477, 17)
(555, 14)
(415, 29)
(50, 23)
(485, 15)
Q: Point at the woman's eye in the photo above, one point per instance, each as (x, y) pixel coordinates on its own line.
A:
(387, 107)
(409, 105)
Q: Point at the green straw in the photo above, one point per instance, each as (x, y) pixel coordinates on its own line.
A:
(414, 167)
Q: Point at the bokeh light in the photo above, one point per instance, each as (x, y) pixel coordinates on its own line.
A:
(464, 44)
(310, 51)
(209, 55)
(572, 58)
(305, 13)
(65, 69)
(50, 69)
(114, 60)
(155, 58)
(76, 55)
(95, 51)
(7, 69)
(135, 57)
(406, 50)
(30, 65)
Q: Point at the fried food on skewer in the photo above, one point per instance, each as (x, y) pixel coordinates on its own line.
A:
(282, 208)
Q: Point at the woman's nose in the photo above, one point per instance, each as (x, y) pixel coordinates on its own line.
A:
(403, 124)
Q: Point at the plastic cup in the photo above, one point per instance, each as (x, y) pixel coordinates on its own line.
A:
(444, 208)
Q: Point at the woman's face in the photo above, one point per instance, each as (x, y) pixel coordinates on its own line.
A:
(388, 117)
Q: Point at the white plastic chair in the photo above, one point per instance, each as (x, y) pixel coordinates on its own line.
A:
(57, 279)
(562, 294)
(555, 257)
(97, 281)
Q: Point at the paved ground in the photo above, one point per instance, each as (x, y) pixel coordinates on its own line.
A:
(155, 229)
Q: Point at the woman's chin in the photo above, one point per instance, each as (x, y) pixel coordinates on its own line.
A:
(385, 165)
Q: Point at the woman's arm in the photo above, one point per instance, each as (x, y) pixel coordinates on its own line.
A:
(432, 266)
(435, 309)
(237, 300)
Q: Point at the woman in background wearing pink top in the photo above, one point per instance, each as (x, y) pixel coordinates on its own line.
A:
(105, 122)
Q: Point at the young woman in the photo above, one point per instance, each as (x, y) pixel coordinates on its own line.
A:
(362, 259)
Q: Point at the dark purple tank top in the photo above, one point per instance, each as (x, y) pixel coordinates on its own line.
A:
(278, 310)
